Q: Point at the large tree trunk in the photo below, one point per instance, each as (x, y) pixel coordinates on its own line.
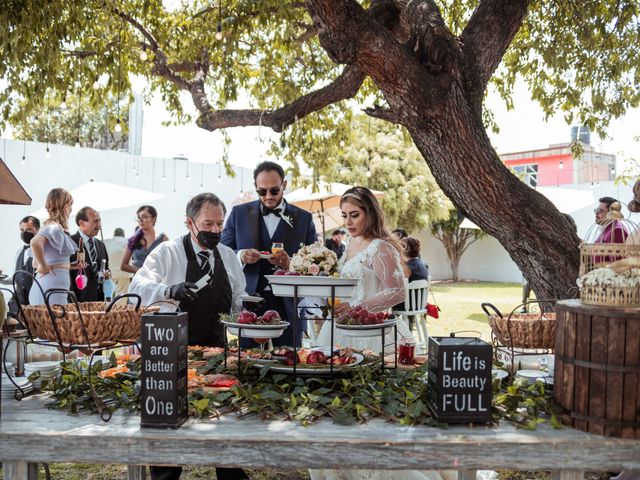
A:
(467, 168)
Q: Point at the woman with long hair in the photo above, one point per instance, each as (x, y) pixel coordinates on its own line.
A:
(143, 241)
(375, 256)
(52, 246)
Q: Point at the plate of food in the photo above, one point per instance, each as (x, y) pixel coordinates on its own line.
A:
(359, 322)
(250, 325)
(265, 255)
(311, 361)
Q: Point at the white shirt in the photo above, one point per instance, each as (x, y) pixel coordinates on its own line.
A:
(166, 265)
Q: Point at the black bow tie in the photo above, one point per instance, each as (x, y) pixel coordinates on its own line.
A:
(267, 211)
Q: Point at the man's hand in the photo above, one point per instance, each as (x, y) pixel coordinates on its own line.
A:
(183, 291)
(250, 255)
(280, 259)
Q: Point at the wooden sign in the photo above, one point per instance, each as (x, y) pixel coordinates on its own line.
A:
(460, 379)
(164, 401)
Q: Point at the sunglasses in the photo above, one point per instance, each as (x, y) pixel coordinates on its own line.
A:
(273, 191)
(599, 210)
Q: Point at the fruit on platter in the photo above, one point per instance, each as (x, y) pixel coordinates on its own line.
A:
(270, 317)
(313, 357)
(246, 317)
(360, 316)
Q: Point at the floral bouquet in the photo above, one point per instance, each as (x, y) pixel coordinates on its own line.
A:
(316, 260)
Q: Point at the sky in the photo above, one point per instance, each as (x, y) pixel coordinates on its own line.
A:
(522, 128)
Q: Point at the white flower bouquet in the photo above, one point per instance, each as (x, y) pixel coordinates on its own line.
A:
(316, 260)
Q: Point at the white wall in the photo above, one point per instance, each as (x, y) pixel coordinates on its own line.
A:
(487, 260)
(70, 167)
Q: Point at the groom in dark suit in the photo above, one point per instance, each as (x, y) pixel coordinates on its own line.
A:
(88, 221)
(252, 227)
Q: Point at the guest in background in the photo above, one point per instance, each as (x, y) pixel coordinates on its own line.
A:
(143, 241)
(613, 231)
(51, 249)
(419, 269)
(116, 247)
(89, 224)
(29, 227)
(634, 207)
(400, 233)
(335, 243)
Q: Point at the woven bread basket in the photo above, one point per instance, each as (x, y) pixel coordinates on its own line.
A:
(121, 322)
(525, 330)
(610, 296)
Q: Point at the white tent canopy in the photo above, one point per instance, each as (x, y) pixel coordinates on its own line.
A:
(103, 196)
(323, 204)
(566, 200)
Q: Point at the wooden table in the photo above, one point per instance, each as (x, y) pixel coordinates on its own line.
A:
(30, 433)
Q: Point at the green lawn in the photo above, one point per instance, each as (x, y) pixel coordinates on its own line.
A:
(460, 306)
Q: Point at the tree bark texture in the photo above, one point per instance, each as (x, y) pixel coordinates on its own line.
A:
(433, 84)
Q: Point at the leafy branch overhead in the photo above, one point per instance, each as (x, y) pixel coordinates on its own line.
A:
(301, 68)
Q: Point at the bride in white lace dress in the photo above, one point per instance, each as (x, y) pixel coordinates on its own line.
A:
(374, 256)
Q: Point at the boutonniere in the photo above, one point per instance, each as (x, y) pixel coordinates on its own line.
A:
(287, 219)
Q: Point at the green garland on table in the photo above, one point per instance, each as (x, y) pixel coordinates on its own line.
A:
(365, 393)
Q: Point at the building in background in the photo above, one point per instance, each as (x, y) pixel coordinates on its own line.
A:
(557, 165)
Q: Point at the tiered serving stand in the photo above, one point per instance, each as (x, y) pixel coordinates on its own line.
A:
(332, 288)
(57, 314)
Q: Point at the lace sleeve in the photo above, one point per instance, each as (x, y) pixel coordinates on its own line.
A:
(387, 267)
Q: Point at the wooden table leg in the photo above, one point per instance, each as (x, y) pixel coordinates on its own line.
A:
(19, 471)
(567, 475)
(136, 472)
(467, 474)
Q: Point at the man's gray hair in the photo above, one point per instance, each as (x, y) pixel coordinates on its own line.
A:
(195, 204)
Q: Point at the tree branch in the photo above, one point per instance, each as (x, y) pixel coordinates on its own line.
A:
(382, 113)
(485, 40)
(351, 36)
(343, 87)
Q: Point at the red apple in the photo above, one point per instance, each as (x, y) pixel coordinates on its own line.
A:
(280, 272)
(316, 357)
(247, 317)
(270, 316)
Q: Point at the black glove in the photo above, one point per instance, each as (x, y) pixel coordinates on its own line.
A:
(182, 291)
(253, 306)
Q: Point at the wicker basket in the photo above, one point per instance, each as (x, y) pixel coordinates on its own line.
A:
(610, 296)
(596, 255)
(525, 330)
(121, 322)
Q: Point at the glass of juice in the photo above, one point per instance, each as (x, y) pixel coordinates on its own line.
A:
(276, 247)
(406, 351)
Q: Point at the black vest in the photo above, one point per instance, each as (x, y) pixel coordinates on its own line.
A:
(22, 283)
(215, 298)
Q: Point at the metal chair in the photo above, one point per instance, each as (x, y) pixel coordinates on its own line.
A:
(415, 304)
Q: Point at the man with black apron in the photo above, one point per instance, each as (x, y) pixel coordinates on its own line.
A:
(170, 274)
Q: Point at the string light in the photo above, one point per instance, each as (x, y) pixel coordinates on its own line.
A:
(219, 171)
(63, 104)
(47, 153)
(24, 152)
(118, 127)
(218, 34)
(163, 170)
(561, 165)
(96, 84)
(201, 176)
(143, 53)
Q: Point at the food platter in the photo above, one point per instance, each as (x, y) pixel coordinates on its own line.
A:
(251, 330)
(265, 256)
(311, 286)
(303, 369)
(366, 330)
(531, 376)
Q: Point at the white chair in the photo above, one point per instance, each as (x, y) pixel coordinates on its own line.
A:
(415, 303)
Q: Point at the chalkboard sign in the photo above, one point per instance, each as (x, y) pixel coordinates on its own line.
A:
(164, 370)
(460, 379)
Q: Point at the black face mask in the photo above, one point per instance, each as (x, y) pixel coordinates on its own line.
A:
(207, 239)
(27, 236)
